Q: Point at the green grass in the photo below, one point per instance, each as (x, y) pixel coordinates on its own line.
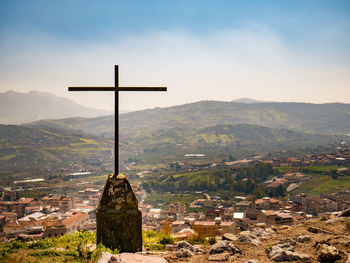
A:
(322, 184)
(155, 241)
(67, 248)
(70, 248)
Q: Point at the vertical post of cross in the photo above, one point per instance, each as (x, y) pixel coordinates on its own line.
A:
(116, 119)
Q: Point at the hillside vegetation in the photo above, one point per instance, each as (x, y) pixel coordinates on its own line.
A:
(23, 148)
(315, 118)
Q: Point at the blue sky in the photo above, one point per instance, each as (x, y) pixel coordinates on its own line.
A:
(222, 50)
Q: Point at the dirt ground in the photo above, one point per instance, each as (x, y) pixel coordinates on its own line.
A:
(339, 237)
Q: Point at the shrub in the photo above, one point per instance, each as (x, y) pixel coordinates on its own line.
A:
(43, 244)
(166, 239)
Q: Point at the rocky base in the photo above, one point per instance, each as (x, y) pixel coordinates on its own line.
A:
(118, 219)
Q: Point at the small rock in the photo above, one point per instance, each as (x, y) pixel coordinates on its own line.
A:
(229, 237)
(263, 233)
(105, 257)
(198, 249)
(284, 227)
(287, 243)
(273, 227)
(348, 260)
(262, 225)
(326, 253)
(249, 239)
(224, 246)
(303, 239)
(252, 261)
(219, 257)
(89, 247)
(184, 244)
(183, 253)
(317, 230)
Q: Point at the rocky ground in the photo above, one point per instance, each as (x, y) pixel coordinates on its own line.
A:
(318, 240)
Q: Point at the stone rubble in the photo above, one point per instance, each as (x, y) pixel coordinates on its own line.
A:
(284, 251)
(183, 253)
(327, 253)
(224, 246)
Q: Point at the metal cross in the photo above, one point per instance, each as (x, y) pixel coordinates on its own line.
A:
(116, 90)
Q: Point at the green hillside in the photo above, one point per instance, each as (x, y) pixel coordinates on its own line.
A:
(23, 148)
(219, 140)
(313, 118)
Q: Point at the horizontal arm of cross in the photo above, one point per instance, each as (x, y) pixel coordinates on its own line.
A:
(91, 88)
(142, 88)
(119, 89)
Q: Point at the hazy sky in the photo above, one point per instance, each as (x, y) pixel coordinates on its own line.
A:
(201, 50)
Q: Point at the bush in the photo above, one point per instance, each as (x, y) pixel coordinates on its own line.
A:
(11, 247)
(166, 239)
(43, 244)
(212, 241)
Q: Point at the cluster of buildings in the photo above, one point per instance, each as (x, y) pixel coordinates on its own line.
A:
(339, 158)
(217, 218)
(50, 216)
(53, 215)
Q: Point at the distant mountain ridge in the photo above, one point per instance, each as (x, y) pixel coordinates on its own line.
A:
(328, 118)
(18, 108)
(247, 100)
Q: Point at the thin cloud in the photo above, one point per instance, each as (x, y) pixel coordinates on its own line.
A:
(252, 62)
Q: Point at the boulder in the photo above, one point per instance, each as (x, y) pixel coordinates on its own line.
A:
(229, 237)
(284, 251)
(224, 246)
(303, 239)
(184, 244)
(183, 253)
(249, 239)
(278, 254)
(326, 253)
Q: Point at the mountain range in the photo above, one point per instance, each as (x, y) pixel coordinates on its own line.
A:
(214, 128)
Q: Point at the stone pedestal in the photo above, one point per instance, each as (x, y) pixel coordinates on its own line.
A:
(118, 219)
